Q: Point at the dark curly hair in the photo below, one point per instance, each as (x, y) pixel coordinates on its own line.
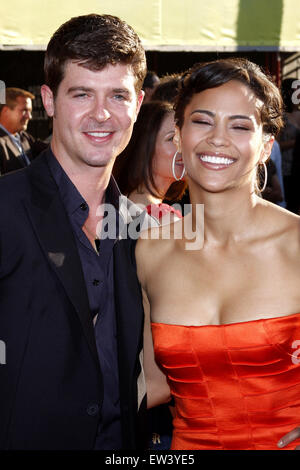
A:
(203, 76)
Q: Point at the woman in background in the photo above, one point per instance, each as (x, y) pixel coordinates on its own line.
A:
(143, 170)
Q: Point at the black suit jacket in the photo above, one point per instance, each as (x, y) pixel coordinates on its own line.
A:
(51, 387)
(10, 159)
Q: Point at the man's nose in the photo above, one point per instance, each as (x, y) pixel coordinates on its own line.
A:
(28, 114)
(100, 110)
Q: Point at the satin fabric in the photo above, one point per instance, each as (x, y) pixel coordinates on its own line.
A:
(160, 210)
(236, 386)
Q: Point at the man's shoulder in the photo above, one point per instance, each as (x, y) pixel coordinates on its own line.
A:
(13, 178)
(26, 134)
(13, 185)
(3, 133)
(36, 144)
(4, 138)
(17, 181)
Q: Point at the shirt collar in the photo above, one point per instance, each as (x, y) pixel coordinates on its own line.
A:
(13, 137)
(5, 130)
(71, 197)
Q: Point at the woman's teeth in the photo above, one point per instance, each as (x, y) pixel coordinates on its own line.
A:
(216, 160)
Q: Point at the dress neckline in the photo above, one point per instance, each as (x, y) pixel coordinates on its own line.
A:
(228, 324)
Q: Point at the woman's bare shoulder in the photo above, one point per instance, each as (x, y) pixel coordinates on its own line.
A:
(285, 218)
(153, 243)
(291, 228)
(282, 225)
(153, 247)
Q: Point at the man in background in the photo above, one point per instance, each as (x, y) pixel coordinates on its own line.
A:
(150, 83)
(17, 147)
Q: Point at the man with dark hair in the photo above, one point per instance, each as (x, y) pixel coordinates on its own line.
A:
(167, 89)
(17, 147)
(150, 83)
(71, 314)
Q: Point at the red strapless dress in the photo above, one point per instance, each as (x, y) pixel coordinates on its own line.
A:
(236, 386)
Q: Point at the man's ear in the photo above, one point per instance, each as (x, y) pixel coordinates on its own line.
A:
(140, 99)
(177, 139)
(48, 100)
(5, 110)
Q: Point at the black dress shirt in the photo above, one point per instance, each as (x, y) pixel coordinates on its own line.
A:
(98, 274)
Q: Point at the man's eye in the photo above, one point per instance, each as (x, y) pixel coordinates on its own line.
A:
(119, 97)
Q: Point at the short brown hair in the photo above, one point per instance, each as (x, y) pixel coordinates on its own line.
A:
(213, 74)
(11, 95)
(133, 167)
(167, 89)
(93, 41)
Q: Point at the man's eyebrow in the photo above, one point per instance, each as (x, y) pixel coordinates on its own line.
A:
(120, 90)
(210, 113)
(91, 90)
(79, 88)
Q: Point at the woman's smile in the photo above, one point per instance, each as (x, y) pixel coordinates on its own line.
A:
(221, 139)
(215, 161)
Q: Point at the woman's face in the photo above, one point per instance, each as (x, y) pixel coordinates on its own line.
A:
(164, 150)
(221, 139)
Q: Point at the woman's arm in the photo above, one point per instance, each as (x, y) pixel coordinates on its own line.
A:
(158, 390)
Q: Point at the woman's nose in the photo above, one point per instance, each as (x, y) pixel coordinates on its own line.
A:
(218, 135)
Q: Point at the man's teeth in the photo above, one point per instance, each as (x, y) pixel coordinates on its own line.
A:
(98, 134)
(216, 160)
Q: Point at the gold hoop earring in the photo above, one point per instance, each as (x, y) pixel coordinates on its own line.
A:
(261, 190)
(173, 168)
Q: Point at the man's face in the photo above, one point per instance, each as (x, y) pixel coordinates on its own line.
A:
(17, 118)
(93, 114)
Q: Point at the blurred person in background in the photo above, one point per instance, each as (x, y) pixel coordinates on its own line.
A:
(167, 88)
(276, 157)
(17, 147)
(149, 85)
(287, 141)
(143, 170)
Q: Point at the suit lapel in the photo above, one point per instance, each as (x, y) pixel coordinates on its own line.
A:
(53, 229)
(11, 151)
(12, 148)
